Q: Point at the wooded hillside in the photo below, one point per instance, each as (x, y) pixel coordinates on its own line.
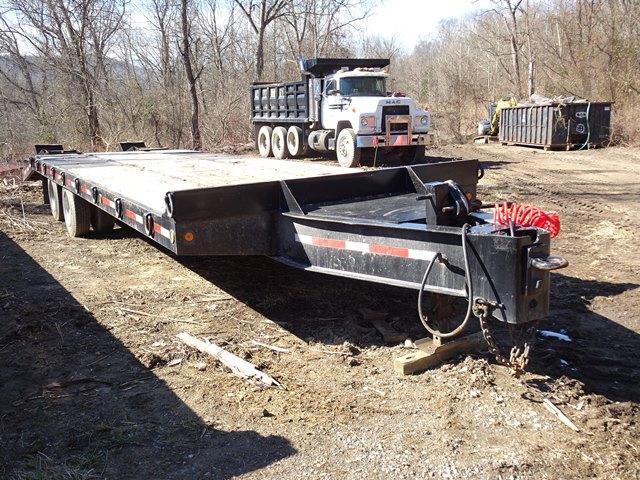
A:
(175, 73)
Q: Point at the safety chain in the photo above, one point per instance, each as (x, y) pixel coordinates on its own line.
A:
(519, 354)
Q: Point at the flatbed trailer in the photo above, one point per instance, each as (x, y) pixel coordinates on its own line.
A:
(419, 227)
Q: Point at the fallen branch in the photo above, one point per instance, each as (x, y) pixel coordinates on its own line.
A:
(238, 366)
(561, 416)
(270, 347)
(160, 318)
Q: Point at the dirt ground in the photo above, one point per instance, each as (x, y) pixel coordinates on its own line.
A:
(94, 383)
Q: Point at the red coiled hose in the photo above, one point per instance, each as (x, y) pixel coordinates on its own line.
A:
(526, 216)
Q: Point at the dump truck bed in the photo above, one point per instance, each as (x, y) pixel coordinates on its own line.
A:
(145, 177)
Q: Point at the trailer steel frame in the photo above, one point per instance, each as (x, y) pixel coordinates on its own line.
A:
(385, 226)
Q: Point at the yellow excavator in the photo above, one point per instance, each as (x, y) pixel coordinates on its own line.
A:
(495, 116)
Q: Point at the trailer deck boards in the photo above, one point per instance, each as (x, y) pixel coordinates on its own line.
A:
(145, 177)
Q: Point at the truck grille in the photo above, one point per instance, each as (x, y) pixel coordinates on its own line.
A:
(394, 110)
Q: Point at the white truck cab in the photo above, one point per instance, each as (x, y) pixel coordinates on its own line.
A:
(348, 109)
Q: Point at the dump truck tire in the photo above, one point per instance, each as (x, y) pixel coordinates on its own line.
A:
(419, 153)
(346, 151)
(295, 142)
(101, 222)
(55, 200)
(264, 141)
(279, 143)
(77, 214)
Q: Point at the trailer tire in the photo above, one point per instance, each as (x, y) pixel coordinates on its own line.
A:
(55, 200)
(279, 143)
(295, 142)
(264, 141)
(77, 214)
(101, 221)
(346, 151)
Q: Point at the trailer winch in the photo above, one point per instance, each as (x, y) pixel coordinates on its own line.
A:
(419, 227)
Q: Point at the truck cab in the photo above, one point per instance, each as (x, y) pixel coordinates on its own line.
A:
(341, 105)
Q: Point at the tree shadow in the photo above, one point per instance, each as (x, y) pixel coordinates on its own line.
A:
(73, 398)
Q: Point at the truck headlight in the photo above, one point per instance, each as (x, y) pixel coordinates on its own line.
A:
(368, 121)
(424, 120)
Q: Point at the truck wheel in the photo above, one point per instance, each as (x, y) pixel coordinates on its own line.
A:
(346, 151)
(279, 143)
(77, 214)
(295, 142)
(101, 222)
(264, 141)
(55, 200)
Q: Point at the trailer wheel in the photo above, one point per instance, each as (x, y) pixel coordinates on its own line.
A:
(77, 214)
(264, 141)
(101, 222)
(348, 154)
(295, 142)
(279, 143)
(55, 200)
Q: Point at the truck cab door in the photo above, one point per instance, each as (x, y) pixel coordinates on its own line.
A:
(332, 105)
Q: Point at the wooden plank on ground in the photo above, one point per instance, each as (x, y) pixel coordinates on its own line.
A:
(378, 319)
(428, 355)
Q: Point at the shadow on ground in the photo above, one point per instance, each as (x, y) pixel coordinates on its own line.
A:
(603, 354)
(75, 403)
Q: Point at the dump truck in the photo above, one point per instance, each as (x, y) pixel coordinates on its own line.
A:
(419, 227)
(341, 105)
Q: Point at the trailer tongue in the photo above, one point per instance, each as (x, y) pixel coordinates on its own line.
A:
(418, 227)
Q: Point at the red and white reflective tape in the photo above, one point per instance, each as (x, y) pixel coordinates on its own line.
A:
(131, 215)
(373, 248)
(161, 230)
(105, 201)
(157, 228)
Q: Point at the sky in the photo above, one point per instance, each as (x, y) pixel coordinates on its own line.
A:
(411, 20)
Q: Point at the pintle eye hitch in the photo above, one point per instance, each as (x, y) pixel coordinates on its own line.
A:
(551, 262)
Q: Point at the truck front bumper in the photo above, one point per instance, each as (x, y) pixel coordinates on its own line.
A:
(392, 140)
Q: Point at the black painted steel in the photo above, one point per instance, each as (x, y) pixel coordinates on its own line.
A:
(320, 67)
(380, 226)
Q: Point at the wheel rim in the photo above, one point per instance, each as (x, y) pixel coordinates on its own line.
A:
(66, 208)
(344, 147)
(53, 199)
(277, 144)
(292, 142)
(263, 141)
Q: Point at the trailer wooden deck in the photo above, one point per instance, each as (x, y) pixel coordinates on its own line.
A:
(145, 177)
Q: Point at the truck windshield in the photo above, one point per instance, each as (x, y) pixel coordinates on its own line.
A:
(363, 87)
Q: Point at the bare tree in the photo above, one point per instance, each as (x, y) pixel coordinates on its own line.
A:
(192, 74)
(261, 14)
(74, 36)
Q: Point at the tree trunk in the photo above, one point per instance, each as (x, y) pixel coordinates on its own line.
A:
(515, 59)
(531, 86)
(196, 138)
(260, 55)
(91, 111)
